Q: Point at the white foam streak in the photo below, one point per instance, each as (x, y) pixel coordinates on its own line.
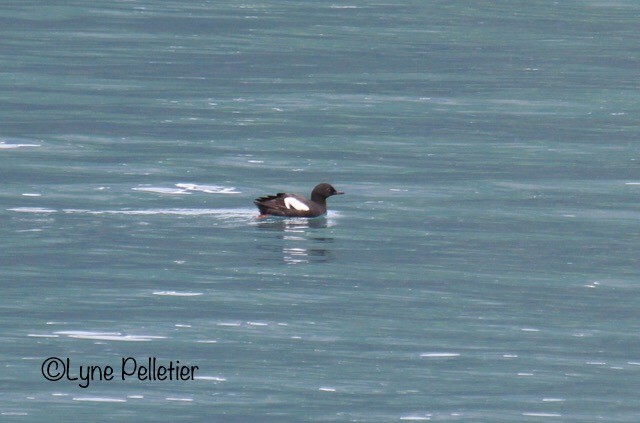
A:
(107, 336)
(161, 190)
(178, 293)
(222, 213)
(3, 145)
(212, 378)
(209, 189)
(32, 210)
(188, 188)
(440, 355)
(99, 399)
(542, 414)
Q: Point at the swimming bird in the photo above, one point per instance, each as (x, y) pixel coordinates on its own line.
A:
(292, 205)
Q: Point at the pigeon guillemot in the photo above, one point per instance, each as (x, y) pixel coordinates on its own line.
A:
(292, 205)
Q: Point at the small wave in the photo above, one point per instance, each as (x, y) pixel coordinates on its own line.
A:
(99, 399)
(542, 414)
(4, 145)
(209, 189)
(178, 293)
(188, 188)
(232, 217)
(108, 336)
(212, 378)
(161, 190)
(32, 210)
(234, 324)
(223, 213)
(439, 355)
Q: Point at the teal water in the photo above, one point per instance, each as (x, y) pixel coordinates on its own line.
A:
(483, 266)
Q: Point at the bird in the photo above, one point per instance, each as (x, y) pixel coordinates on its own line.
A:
(292, 205)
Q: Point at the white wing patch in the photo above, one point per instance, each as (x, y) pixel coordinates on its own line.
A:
(292, 202)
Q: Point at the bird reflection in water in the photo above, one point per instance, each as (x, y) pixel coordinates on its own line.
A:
(300, 241)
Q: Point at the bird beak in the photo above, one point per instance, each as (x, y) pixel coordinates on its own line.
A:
(338, 192)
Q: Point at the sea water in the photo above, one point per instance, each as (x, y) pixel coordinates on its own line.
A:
(483, 265)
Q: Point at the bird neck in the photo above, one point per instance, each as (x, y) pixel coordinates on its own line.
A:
(318, 199)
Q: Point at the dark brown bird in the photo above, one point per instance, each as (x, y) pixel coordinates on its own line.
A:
(292, 205)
